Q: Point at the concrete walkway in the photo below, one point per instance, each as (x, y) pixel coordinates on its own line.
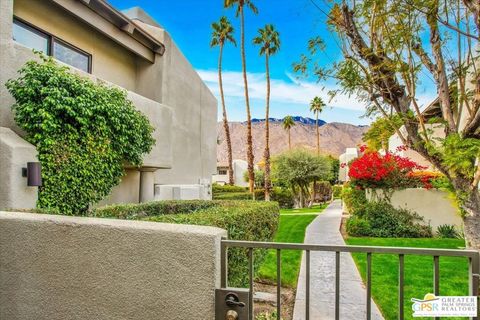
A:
(325, 230)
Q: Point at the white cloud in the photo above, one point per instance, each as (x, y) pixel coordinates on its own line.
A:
(295, 92)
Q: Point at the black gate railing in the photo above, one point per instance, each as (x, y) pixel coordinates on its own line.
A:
(436, 254)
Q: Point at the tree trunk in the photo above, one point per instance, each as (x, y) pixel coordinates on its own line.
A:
(266, 154)
(251, 174)
(289, 140)
(318, 134)
(471, 206)
(225, 120)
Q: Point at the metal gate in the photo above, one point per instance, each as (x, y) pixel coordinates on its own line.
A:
(232, 303)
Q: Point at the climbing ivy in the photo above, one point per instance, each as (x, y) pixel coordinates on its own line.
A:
(84, 132)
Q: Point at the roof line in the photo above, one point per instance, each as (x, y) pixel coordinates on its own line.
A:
(110, 13)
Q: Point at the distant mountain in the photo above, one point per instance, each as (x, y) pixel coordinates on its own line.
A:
(335, 137)
(304, 120)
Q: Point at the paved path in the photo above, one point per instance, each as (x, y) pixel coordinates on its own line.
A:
(325, 230)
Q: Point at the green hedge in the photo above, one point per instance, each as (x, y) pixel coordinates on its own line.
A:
(284, 197)
(235, 196)
(217, 188)
(381, 219)
(244, 220)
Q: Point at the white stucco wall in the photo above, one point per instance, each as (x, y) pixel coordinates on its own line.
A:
(60, 267)
(435, 206)
(345, 158)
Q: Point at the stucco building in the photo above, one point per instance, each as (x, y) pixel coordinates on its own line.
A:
(127, 49)
(345, 158)
(239, 169)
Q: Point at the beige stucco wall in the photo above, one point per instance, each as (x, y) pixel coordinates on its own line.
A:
(169, 91)
(59, 267)
(194, 120)
(110, 61)
(435, 131)
(14, 155)
(435, 206)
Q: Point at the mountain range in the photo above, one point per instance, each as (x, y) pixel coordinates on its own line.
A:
(298, 119)
(335, 137)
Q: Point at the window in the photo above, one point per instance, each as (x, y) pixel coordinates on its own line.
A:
(71, 55)
(222, 172)
(34, 38)
(30, 37)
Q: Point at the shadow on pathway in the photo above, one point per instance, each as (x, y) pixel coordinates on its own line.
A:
(325, 230)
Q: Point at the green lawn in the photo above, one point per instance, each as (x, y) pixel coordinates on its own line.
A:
(418, 272)
(291, 229)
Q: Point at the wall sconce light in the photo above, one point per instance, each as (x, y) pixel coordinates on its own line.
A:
(33, 173)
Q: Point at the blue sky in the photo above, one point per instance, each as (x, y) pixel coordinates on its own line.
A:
(189, 23)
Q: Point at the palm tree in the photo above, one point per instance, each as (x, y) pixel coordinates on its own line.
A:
(288, 123)
(240, 4)
(316, 106)
(222, 33)
(269, 40)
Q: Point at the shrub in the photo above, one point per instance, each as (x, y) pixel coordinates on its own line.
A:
(83, 131)
(233, 196)
(244, 220)
(354, 198)
(337, 191)
(448, 231)
(357, 227)
(259, 178)
(385, 221)
(374, 170)
(216, 188)
(284, 197)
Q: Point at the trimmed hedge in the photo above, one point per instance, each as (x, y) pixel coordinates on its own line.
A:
(284, 197)
(244, 220)
(236, 195)
(217, 188)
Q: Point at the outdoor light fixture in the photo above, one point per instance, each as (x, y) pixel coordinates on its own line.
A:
(33, 172)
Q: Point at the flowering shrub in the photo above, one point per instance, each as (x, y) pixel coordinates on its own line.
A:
(424, 179)
(374, 170)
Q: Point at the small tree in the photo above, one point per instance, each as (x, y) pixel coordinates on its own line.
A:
(297, 169)
(380, 131)
(83, 131)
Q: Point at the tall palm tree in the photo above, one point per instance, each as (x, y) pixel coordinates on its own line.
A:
(221, 34)
(316, 106)
(287, 124)
(269, 40)
(240, 5)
